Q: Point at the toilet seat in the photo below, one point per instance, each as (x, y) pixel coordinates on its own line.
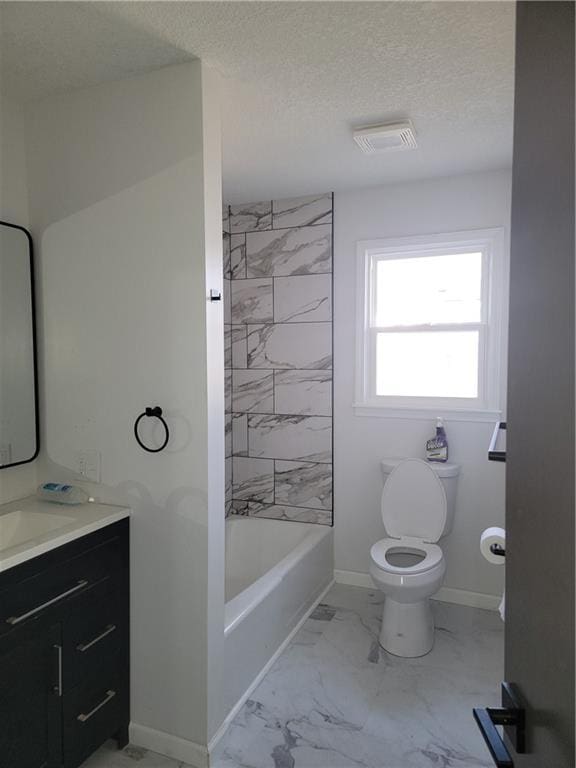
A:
(433, 555)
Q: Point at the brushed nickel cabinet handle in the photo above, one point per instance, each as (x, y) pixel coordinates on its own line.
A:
(58, 686)
(109, 696)
(17, 619)
(108, 631)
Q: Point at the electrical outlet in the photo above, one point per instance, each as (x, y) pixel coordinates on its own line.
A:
(88, 465)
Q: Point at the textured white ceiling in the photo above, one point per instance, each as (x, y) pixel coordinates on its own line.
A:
(297, 76)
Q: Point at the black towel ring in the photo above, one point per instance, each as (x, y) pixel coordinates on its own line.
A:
(157, 413)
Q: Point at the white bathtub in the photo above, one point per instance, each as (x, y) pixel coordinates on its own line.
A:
(275, 572)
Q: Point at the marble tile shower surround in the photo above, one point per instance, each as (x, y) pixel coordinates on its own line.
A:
(278, 358)
(228, 355)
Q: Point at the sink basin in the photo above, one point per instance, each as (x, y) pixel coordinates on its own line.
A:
(18, 527)
(31, 527)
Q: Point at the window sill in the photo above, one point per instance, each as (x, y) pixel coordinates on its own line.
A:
(426, 414)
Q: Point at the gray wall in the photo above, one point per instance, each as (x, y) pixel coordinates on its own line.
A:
(540, 461)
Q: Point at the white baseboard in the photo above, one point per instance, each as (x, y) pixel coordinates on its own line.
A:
(167, 744)
(444, 595)
(354, 579)
(465, 597)
(214, 741)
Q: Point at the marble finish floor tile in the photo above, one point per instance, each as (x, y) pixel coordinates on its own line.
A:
(335, 698)
(108, 756)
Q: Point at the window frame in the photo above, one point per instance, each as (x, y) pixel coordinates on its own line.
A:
(488, 405)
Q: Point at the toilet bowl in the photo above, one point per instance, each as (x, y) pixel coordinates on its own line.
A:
(408, 566)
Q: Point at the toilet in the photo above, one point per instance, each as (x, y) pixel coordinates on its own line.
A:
(418, 503)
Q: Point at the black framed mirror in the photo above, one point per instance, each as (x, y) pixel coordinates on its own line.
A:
(19, 432)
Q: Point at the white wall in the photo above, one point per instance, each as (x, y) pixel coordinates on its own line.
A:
(442, 205)
(125, 207)
(18, 481)
(13, 175)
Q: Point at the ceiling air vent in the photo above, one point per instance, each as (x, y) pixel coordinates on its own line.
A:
(385, 138)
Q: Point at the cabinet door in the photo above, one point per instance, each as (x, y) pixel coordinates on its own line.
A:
(30, 703)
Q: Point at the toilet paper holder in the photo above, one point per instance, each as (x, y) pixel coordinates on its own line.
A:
(496, 549)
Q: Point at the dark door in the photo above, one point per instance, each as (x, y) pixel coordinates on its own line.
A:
(540, 439)
(30, 706)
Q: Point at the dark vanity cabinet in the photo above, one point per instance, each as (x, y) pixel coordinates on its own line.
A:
(64, 652)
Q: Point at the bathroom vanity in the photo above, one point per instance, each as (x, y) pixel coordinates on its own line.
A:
(64, 632)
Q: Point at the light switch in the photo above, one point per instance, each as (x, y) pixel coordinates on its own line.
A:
(88, 465)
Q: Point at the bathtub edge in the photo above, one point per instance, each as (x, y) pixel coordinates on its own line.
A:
(260, 589)
(220, 733)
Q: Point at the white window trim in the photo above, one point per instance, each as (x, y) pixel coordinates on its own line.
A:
(488, 407)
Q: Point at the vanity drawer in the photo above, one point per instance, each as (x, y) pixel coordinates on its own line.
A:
(54, 590)
(93, 633)
(94, 710)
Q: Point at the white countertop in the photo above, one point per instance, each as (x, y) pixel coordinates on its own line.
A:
(83, 519)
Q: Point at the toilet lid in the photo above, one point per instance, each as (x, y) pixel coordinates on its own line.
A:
(414, 502)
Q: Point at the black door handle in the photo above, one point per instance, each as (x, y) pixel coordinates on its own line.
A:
(487, 720)
(512, 714)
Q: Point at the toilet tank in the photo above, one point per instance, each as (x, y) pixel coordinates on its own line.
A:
(447, 473)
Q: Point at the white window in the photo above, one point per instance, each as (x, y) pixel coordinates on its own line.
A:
(430, 324)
